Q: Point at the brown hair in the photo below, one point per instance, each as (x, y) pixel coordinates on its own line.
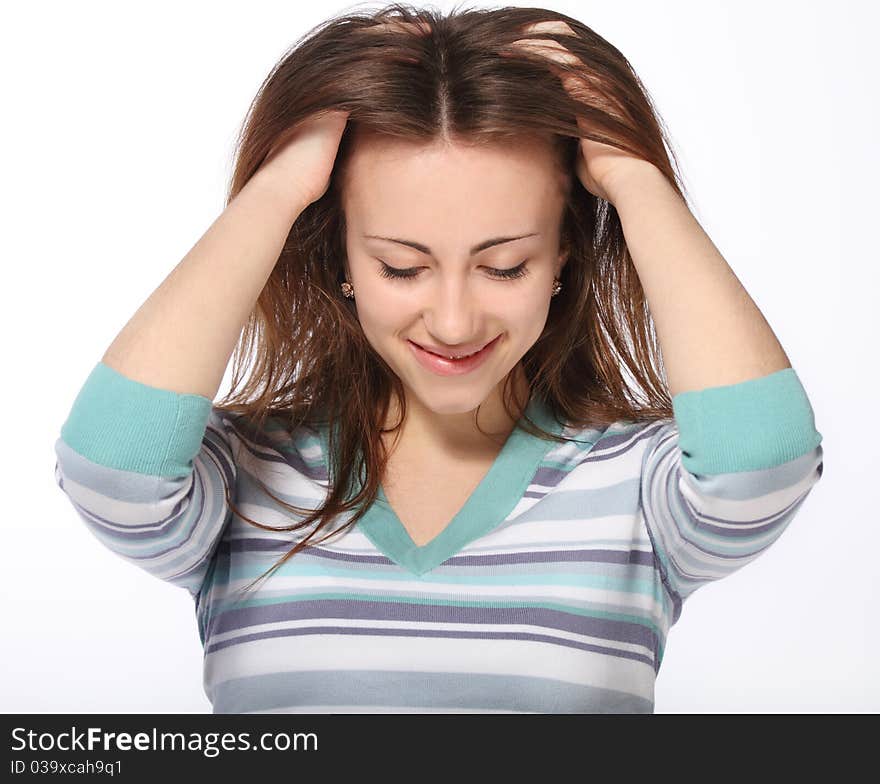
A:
(446, 82)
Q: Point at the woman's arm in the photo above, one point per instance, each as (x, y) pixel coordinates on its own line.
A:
(711, 332)
(182, 336)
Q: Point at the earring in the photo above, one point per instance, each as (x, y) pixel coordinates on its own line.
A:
(557, 287)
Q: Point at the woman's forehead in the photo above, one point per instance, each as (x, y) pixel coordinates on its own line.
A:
(395, 175)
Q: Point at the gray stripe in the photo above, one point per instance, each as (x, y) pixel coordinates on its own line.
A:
(128, 486)
(606, 628)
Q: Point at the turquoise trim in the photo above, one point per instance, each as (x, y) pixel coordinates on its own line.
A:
(750, 426)
(121, 423)
(490, 503)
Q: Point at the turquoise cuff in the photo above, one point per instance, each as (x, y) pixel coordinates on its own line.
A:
(121, 423)
(749, 426)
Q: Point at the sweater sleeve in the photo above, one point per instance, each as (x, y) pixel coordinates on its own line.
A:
(147, 471)
(723, 480)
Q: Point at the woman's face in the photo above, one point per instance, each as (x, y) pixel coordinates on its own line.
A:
(459, 293)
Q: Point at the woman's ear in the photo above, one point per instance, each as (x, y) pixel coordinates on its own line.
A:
(562, 259)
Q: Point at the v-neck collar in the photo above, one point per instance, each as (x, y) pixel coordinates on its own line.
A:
(487, 506)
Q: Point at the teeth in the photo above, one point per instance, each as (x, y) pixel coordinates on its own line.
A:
(449, 356)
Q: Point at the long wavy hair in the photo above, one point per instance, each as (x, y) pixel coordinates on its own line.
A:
(446, 81)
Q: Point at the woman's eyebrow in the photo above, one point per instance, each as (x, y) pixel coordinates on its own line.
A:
(476, 249)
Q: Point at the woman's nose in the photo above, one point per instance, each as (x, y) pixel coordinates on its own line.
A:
(451, 313)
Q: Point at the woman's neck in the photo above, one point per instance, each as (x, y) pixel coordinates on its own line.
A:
(456, 436)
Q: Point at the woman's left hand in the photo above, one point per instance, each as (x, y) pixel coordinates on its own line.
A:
(598, 164)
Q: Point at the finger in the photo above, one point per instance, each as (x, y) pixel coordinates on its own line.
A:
(546, 47)
(398, 26)
(555, 26)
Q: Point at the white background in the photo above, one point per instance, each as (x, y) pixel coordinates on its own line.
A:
(117, 147)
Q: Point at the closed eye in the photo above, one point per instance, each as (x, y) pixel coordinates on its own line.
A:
(410, 273)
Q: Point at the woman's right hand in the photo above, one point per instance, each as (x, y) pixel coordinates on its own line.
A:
(300, 163)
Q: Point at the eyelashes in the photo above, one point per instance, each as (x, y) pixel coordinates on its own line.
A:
(519, 271)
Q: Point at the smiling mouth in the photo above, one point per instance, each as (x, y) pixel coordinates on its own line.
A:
(454, 356)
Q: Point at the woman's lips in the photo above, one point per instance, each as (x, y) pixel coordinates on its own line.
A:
(454, 354)
(452, 367)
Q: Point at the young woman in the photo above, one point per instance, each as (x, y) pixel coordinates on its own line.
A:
(460, 471)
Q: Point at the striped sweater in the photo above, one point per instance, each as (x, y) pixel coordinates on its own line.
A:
(552, 590)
